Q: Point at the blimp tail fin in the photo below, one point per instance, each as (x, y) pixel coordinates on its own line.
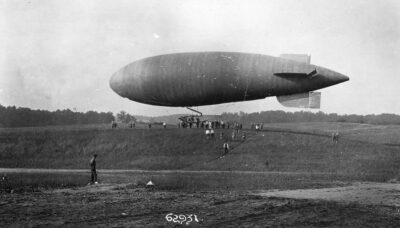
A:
(297, 57)
(301, 100)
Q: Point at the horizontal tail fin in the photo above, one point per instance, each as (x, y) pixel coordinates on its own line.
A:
(301, 100)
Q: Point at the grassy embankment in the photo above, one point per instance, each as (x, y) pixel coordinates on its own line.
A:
(364, 153)
(139, 148)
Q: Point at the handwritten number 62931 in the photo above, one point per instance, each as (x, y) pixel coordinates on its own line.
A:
(181, 219)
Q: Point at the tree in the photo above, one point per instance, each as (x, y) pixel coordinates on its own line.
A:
(125, 117)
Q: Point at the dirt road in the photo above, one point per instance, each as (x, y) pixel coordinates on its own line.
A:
(363, 193)
(132, 206)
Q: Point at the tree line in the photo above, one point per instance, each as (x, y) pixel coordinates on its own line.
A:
(25, 117)
(12, 116)
(281, 116)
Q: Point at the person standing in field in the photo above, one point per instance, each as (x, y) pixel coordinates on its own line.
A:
(92, 163)
(212, 133)
(5, 184)
(226, 148)
(336, 137)
(207, 134)
(244, 137)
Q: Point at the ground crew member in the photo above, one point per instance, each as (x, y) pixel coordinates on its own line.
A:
(5, 184)
(244, 137)
(336, 137)
(212, 133)
(207, 134)
(164, 125)
(92, 163)
(226, 148)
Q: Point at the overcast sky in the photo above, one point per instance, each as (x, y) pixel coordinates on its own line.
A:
(61, 54)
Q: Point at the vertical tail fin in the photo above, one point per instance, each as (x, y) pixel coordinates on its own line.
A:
(301, 100)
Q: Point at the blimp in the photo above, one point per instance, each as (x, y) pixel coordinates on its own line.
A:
(208, 78)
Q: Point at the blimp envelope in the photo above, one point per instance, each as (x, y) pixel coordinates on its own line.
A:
(208, 78)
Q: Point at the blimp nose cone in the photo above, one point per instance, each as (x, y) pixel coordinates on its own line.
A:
(339, 78)
(116, 83)
(331, 77)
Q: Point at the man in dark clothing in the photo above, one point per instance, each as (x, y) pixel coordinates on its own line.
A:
(5, 185)
(336, 137)
(226, 148)
(93, 169)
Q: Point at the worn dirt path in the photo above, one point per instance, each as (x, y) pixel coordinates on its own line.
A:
(363, 193)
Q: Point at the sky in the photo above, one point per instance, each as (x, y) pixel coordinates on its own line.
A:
(59, 54)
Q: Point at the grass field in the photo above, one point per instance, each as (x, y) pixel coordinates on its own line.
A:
(365, 152)
(378, 134)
